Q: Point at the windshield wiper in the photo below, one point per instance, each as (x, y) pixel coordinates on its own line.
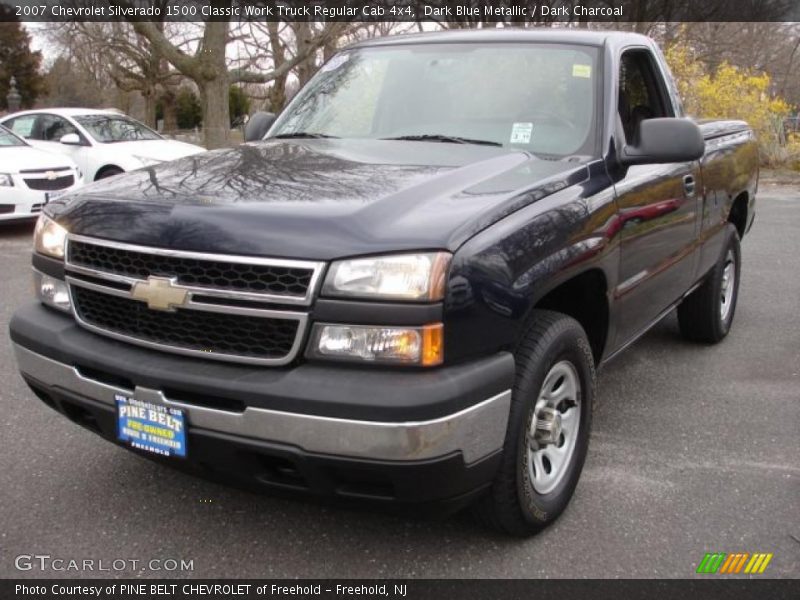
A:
(442, 138)
(301, 134)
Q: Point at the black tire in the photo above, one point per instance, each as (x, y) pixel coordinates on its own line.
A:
(108, 172)
(513, 505)
(703, 316)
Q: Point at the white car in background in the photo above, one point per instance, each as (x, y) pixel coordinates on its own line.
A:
(101, 142)
(30, 178)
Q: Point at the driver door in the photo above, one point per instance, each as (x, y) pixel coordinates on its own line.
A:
(658, 208)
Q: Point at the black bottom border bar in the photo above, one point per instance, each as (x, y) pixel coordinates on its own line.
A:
(412, 589)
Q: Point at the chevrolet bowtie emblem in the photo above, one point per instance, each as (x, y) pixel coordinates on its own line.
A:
(51, 175)
(160, 293)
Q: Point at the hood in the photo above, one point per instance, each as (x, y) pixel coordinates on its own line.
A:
(14, 159)
(157, 149)
(315, 199)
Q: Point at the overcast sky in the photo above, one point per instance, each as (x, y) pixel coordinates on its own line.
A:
(38, 42)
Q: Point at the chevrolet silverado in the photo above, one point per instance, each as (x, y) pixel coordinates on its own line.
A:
(400, 288)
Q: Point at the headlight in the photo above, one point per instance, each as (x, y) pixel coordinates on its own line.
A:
(147, 162)
(5, 180)
(418, 277)
(421, 346)
(49, 237)
(51, 291)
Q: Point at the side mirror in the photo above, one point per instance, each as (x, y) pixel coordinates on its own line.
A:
(70, 139)
(668, 140)
(257, 126)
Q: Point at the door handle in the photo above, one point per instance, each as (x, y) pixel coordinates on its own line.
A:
(689, 185)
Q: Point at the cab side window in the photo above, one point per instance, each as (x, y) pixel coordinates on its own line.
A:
(22, 126)
(51, 128)
(641, 93)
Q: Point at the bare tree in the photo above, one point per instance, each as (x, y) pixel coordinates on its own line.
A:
(112, 51)
(270, 45)
(208, 68)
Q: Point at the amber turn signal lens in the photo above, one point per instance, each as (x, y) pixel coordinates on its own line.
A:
(432, 345)
(412, 346)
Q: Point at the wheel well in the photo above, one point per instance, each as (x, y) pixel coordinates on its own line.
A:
(584, 299)
(105, 168)
(738, 214)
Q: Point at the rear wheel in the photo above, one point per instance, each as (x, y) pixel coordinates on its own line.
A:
(548, 427)
(706, 315)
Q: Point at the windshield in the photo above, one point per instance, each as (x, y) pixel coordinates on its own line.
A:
(9, 139)
(108, 129)
(536, 97)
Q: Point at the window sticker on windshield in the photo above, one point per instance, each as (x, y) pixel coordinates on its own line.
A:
(336, 62)
(584, 71)
(521, 133)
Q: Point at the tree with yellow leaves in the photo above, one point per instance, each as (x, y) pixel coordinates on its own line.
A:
(730, 92)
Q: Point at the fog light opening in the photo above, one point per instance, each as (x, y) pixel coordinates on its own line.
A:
(52, 292)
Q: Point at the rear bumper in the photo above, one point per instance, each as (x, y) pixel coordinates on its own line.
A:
(413, 436)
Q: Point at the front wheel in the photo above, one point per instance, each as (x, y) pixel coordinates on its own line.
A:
(108, 172)
(548, 427)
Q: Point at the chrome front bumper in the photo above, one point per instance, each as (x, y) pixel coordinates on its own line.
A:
(476, 431)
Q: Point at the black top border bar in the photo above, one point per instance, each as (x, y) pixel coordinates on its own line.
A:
(513, 12)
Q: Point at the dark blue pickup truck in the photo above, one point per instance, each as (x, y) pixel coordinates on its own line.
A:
(399, 289)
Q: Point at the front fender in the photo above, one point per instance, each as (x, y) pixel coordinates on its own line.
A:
(498, 277)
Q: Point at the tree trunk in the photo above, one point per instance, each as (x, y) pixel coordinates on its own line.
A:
(276, 95)
(170, 111)
(149, 96)
(303, 38)
(213, 83)
(329, 49)
(216, 113)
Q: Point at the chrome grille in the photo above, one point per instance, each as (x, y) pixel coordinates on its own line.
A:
(277, 280)
(207, 332)
(216, 319)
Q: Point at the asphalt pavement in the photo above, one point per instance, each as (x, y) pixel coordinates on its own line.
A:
(695, 449)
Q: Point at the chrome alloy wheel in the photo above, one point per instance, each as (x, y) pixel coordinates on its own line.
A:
(728, 286)
(553, 430)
